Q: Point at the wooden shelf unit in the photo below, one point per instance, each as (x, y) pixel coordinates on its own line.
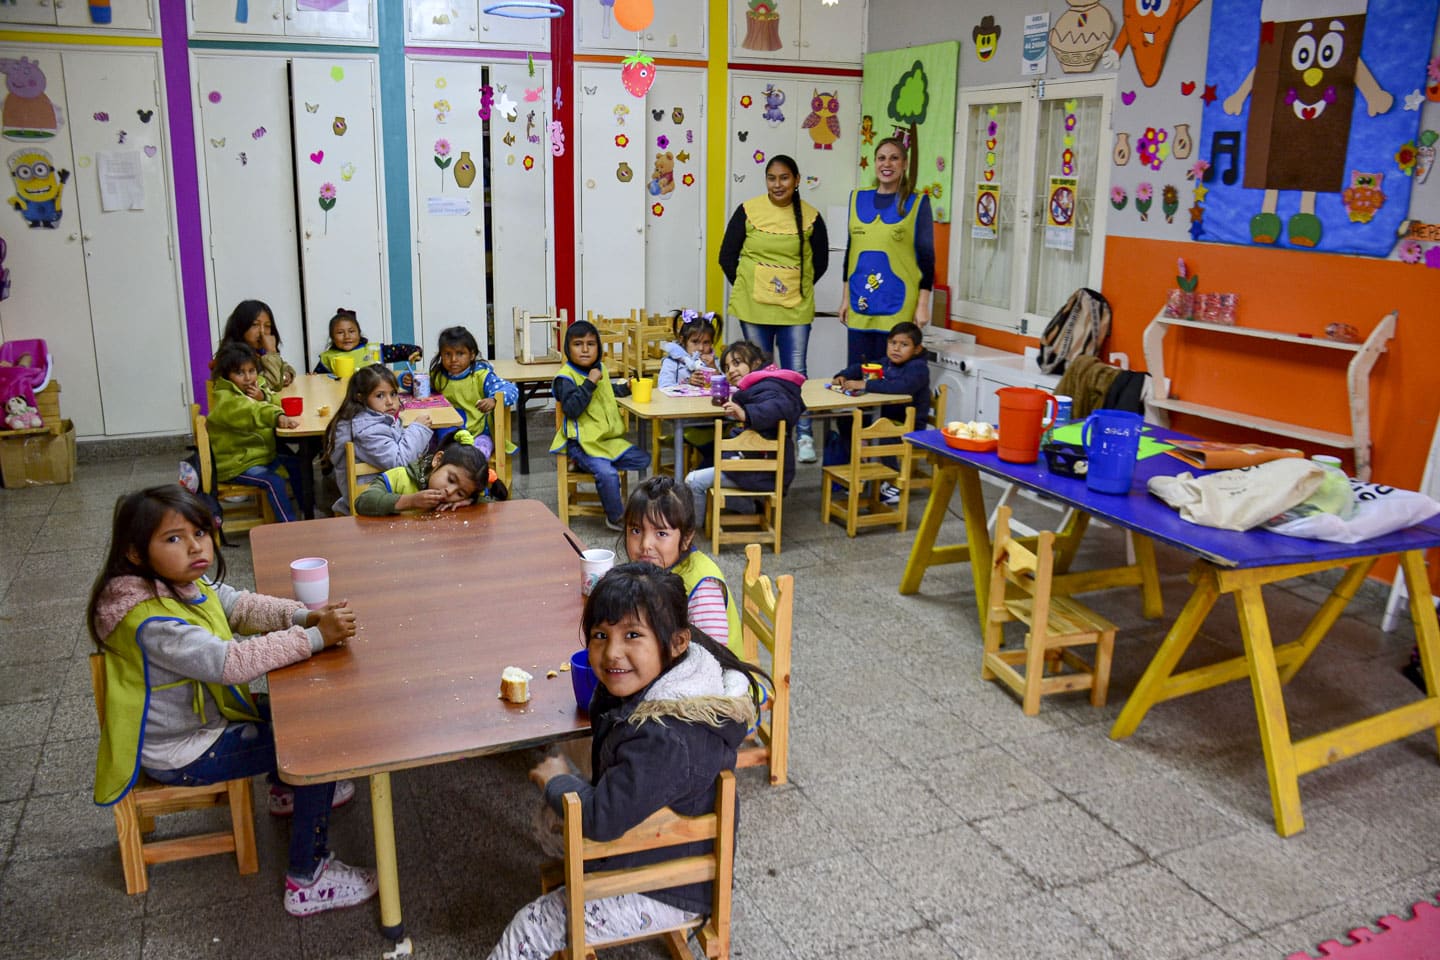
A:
(1357, 381)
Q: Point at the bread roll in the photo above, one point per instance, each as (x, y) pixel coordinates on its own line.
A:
(515, 685)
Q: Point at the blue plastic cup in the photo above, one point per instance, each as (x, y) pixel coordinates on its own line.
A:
(582, 679)
(1112, 441)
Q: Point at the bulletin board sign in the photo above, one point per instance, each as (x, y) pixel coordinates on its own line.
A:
(1311, 123)
(910, 94)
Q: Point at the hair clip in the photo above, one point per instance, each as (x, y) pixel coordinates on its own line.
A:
(465, 438)
(342, 312)
(687, 315)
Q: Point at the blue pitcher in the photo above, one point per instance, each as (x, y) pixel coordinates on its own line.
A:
(1112, 440)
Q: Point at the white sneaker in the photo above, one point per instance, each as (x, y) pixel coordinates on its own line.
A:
(613, 525)
(805, 449)
(337, 885)
(889, 494)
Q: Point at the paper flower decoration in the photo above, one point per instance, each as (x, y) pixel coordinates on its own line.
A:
(1144, 197)
(658, 209)
(1432, 258)
(529, 162)
(688, 179)
(442, 158)
(327, 202)
(622, 141)
(1405, 158)
(662, 142)
(993, 129)
(1119, 198)
(1411, 252)
(1182, 275)
(1069, 122)
(759, 156)
(746, 101)
(1169, 202)
(1197, 170)
(1152, 147)
(1067, 162)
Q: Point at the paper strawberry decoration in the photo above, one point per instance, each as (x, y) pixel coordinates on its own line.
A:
(637, 72)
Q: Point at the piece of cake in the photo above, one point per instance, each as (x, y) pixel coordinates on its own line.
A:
(515, 685)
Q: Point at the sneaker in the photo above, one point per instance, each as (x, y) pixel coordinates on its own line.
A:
(805, 448)
(889, 494)
(337, 885)
(282, 798)
(613, 525)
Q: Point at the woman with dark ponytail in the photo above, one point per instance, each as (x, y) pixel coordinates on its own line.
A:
(775, 249)
(889, 256)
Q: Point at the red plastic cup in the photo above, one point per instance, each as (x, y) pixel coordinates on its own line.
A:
(292, 405)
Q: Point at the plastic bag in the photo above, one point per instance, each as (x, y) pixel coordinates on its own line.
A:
(1378, 510)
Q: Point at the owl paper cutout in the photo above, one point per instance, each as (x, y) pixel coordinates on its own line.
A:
(823, 124)
(1148, 28)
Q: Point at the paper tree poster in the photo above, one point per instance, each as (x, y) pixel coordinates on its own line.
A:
(910, 93)
(1307, 128)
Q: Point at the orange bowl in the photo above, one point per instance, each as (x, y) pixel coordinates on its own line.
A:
(974, 446)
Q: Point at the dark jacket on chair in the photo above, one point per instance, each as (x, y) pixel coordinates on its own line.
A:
(770, 397)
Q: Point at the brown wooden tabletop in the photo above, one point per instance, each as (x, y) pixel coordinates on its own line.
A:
(815, 394)
(444, 603)
(320, 391)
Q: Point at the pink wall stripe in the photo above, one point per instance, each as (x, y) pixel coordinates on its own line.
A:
(471, 53)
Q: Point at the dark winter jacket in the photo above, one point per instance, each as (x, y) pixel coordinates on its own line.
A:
(769, 397)
(662, 747)
(912, 377)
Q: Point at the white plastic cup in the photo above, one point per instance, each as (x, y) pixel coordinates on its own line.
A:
(310, 578)
(594, 564)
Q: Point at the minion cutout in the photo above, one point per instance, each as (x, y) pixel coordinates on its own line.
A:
(1302, 92)
(38, 186)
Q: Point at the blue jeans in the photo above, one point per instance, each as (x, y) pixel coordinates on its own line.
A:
(607, 474)
(273, 482)
(248, 749)
(787, 346)
(865, 346)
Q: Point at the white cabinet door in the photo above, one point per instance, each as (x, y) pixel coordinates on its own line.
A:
(765, 35)
(330, 19)
(521, 201)
(674, 197)
(28, 11)
(247, 160)
(678, 29)
(338, 159)
(834, 32)
(48, 295)
(134, 301)
(449, 202)
(497, 31)
(252, 18)
(614, 169)
(441, 21)
(124, 15)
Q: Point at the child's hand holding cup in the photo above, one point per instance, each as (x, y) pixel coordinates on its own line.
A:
(335, 620)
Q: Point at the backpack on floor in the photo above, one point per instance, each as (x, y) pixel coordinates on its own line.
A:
(1077, 329)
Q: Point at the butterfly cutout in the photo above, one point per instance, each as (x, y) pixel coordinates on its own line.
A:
(101, 116)
(533, 96)
(739, 177)
(590, 91)
(214, 141)
(243, 159)
(144, 115)
(123, 135)
(502, 87)
(658, 114)
(311, 107)
(257, 133)
(743, 135)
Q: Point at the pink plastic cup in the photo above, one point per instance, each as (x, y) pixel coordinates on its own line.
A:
(310, 577)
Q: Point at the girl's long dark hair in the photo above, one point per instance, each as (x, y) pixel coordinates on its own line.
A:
(451, 337)
(137, 516)
(243, 317)
(358, 388)
(232, 355)
(658, 597)
(907, 187)
(685, 329)
(467, 457)
(746, 352)
(789, 163)
(342, 314)
(663, 502)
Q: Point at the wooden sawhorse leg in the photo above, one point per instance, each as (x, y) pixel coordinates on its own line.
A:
(976, 549)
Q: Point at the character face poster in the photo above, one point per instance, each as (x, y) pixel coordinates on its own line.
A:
(1307, 94)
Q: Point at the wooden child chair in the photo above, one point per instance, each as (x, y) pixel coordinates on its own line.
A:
(135, 815)
(869, 448)
(572, 499)
(664, 828)
(922, 469)
(245, 506)
(766, 621)
(646, 337)
(759, 456)
(354, 470)
(1020, 589)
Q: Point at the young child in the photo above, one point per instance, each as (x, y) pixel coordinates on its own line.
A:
(764, 397)
(691, 357)
(652, 665)
(456, 475)
(253, 324)
(660, 529)
(177, 704)
(242, 421)
(347, 341)
(903, 371)
(470, 384)
(370, 418)
(591, 432)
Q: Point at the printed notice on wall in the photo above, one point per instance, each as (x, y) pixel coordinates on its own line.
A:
(122, 180)
(1060, 213)
(1035, 45)
(986, 224)
(447, 206)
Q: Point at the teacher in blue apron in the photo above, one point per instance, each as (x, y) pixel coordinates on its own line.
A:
(889, 256)
(774, 250)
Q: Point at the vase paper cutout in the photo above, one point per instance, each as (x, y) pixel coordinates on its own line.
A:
(1081, 34)
(464, 170)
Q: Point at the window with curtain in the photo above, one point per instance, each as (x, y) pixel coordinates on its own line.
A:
(1031, 170)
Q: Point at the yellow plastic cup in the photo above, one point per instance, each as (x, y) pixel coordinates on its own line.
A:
(343, 367)
(641, 389)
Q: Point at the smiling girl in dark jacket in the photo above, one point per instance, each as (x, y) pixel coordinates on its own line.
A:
(671, 709)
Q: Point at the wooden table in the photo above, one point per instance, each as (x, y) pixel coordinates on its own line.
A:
(816, 394)
(444, 603)
(533, 380)
(322, 391)
(1227, 562)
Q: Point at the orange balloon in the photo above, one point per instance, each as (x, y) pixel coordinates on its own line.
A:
(634, 15)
